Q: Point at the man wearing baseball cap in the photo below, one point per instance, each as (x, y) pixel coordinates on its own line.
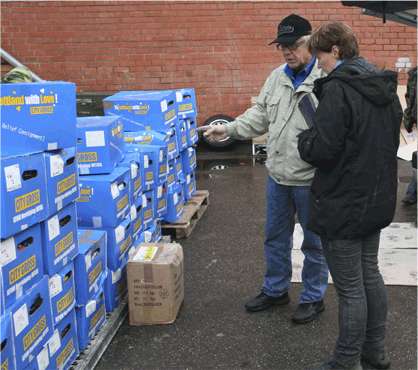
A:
(277, 112)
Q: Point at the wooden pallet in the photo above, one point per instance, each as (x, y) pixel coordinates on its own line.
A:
(192, 213)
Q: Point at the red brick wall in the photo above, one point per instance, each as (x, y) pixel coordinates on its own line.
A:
(220, 48)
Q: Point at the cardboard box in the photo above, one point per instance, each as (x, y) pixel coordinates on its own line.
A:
(98, 190)
(7, 355)
(186, 103)
(21, 263)
(172, 174)
(179, 168)
(189, 186)
(165, 137)
(152, 234)
(62, 293)
(137, 218)
(160, 201)
(188, 158)
(59, 239)
(23, 193)
(148, 207)
(119, 240)
(191, 127)
(63, 346)
(181, 133)
(143, 110)
(149, 162)
(37, 116)
(32, 323)
(90, 318)
(175, 203)
(115, 287)
(100, 144)
(155, 284)
(61, 178)
(89, 264)
(132, 161)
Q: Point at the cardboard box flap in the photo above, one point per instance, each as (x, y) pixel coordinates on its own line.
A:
(159, 253)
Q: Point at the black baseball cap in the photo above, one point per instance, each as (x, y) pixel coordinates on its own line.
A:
(290, 29)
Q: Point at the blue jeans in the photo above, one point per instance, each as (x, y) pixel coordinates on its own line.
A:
(282, 204)
(361, 294)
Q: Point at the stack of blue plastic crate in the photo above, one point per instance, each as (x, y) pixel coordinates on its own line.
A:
(109, 206)
(160, 127)
(39, 185)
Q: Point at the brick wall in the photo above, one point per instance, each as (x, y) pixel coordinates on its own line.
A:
(220, 48)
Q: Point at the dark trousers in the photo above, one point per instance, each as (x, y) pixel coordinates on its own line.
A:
(362, 296)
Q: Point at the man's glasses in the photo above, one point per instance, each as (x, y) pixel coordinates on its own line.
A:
(291, 47)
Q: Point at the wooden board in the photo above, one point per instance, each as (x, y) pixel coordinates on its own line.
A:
(192, 213)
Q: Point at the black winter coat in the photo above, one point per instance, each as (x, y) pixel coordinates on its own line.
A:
(353, 145)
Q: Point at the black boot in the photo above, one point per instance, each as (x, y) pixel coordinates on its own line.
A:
(307, 312)
(377, 361)
(264, 301)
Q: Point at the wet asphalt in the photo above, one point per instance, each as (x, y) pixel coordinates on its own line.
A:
(224, 267)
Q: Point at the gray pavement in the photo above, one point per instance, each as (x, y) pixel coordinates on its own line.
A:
(224, 267)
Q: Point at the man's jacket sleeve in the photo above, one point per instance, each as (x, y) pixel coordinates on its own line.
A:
(322, 144)
(253, 122)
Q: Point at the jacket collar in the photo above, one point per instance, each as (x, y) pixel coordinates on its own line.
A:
(307, 84)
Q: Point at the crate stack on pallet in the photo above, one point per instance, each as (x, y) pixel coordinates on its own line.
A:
(39, 185)
(160, 129)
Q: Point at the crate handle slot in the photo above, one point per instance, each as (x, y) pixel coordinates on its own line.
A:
(3, 345)
(70, 161)
(68, 275)
(36, 304)
(65, 220)
(29, 174)
(171, 102)
(25, 243)
(65, 331)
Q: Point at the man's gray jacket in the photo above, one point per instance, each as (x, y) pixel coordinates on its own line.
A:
(276, 112)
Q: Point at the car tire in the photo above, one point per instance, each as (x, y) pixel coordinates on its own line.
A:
(218, 119)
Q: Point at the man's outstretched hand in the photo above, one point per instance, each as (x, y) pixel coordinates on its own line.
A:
(214, 133)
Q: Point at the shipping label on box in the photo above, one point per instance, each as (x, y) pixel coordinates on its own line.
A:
(32, 323)
(148, 207)
(61, 178)
(89, 264)
(7, 356)
(186, 103)
(115, 287)
(181, 132)
(189, 160)
(143, 110)
(63, 345)
(132, 161)
(100, 144)
(23, 193)
(119, 240)
(175, 204)
(137, 218)
(97, 190)
(90, 318)
(155, 284)
(21, 263)
(62, 293)
(191, 127)
(160, 201)
(59, 239)
(37, 116)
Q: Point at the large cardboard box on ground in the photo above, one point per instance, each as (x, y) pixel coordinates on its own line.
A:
(155, 283)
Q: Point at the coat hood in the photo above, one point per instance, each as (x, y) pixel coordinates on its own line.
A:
(379, 87)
